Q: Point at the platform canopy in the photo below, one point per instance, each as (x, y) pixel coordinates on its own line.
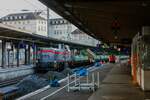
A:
(10, 33)
(112, 21)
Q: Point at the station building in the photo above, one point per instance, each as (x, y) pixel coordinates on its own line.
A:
(60, 28)
(31, 21)
(80, 36)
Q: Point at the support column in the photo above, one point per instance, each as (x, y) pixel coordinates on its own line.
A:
(34, 54)
(26, 56)
(29, 53)
(8, 56)
(4, 53)
(17, 55)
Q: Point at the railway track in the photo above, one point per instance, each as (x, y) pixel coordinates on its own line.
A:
(10, 82)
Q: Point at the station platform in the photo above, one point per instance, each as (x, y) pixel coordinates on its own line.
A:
(118, 85)
(7, 74)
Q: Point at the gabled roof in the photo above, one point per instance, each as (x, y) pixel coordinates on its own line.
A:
(58, 21)
(77, 31)
(22, 16)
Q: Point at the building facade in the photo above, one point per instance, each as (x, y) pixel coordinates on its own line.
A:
(83, 38)
(31, 22)
(60, 28)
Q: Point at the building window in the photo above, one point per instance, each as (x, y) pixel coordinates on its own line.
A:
(28, 21)
(11, 18)
(39, 28)
(6, 18)
(58, 22)
(45, 28)
(19, 22)
(60, 32)
(55, 32)
(24, 28)
(24, 17)
(20, 17)
(16, 17)
(42, 22)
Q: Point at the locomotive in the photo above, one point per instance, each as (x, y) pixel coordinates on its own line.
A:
(55, 59)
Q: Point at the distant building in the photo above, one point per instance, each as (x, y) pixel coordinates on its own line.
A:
(83, 38)
(31, 22)
(60, 28)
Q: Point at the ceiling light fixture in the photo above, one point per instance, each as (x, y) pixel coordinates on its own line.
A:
(79, 23)
(67, 13)
(144, 4)
(116, 37)
(68, 5)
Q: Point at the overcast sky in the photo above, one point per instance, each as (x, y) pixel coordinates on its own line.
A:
(15, 6)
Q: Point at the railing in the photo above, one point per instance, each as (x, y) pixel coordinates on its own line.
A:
(84, 85)
(81, 86)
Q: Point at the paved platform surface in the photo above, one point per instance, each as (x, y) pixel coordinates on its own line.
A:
(118, 86)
